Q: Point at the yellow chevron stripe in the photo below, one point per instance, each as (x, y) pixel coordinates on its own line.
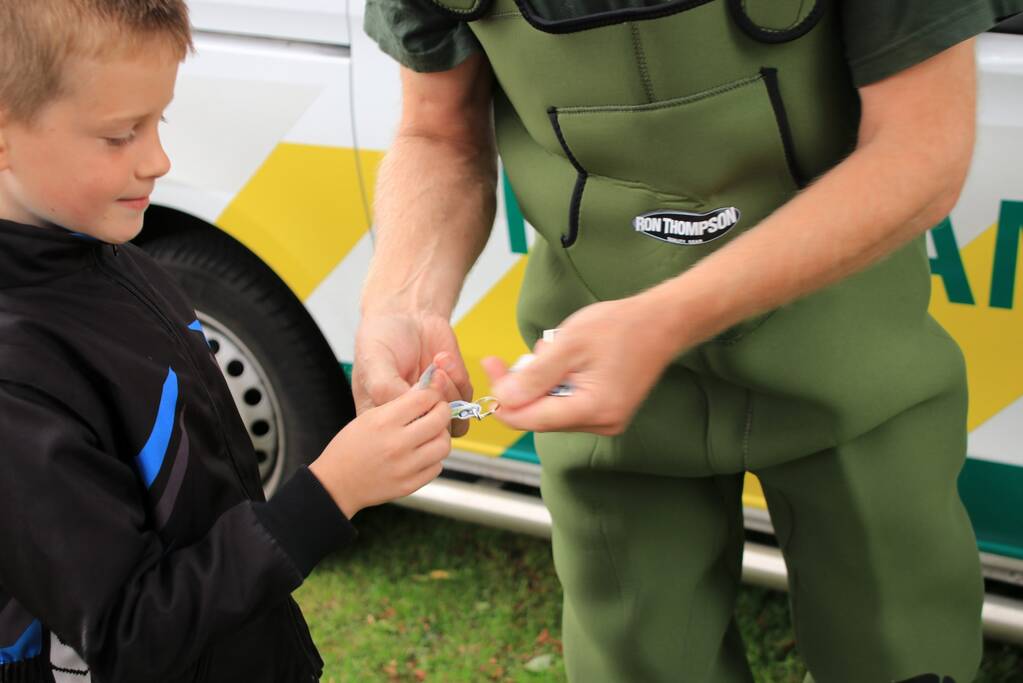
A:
(301, 212)
(753, 492)
(489, 329)
(991, 338)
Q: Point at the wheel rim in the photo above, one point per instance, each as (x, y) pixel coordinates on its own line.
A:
(254, 397)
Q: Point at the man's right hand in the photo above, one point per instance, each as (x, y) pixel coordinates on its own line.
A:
(435, 202)
(393, 349)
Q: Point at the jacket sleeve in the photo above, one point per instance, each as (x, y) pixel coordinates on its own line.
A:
(80, 556)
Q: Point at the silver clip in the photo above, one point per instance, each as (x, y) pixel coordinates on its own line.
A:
(466, 410)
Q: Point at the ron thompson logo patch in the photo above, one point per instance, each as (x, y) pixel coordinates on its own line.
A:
(681, 227)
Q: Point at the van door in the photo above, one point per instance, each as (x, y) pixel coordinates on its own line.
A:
(315, 21)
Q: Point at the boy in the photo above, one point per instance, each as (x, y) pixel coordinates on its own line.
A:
(136, 545)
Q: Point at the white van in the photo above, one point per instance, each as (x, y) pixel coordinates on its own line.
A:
(276, 134)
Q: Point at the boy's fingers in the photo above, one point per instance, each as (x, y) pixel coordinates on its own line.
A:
(433, 451)
(415, 403)
(426, 475)
(430, 425)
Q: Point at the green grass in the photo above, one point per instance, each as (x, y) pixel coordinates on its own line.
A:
(425, 598)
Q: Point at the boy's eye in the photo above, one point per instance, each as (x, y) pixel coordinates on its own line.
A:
(120, 142)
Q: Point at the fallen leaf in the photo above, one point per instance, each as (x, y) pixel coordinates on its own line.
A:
(540, 663)
(440, 575)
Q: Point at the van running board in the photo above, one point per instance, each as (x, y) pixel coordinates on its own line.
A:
(484, 502)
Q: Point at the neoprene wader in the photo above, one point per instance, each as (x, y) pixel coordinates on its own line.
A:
(640, 136)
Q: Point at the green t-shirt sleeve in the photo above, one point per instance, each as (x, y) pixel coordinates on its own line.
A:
(419, 34)
(883, 37)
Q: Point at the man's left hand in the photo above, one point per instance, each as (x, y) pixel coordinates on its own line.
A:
(611, 353)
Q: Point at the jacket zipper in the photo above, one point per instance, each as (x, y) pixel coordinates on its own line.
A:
(137, 293)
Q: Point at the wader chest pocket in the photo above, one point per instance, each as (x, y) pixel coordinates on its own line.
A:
(720, 149)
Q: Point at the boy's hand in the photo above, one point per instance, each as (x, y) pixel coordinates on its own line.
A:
(389, 451)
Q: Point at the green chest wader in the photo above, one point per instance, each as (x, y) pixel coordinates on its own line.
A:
(640, 136)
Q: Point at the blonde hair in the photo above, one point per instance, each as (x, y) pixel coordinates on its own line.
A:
(38, 36)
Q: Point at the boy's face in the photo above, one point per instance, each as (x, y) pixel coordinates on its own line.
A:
(88, 160)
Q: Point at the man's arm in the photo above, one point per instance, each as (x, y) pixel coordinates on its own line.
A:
(434, 209)
(915, 143)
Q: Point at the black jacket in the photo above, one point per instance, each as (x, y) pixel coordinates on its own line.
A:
(132, 522)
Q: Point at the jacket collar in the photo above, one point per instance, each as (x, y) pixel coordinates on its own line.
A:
(31, 255)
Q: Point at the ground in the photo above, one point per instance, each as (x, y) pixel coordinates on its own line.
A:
(421, 598)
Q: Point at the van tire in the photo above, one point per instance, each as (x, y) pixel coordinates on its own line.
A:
(282, 364)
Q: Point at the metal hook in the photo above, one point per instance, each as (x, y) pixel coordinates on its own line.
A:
(464, 410)
(492, 401)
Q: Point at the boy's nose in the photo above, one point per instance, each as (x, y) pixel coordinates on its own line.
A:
(156, 163)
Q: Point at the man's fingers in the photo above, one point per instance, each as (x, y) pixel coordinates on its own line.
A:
(380, 380)
(548, 369)
(495, 368)
(459, 428)
(550, 414)
(455, 368)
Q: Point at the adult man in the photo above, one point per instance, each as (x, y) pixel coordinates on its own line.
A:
(731, 196)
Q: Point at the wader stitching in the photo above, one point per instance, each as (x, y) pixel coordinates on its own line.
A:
(644, 73)
(614, 568)
(502, 15)
(635, 184)
(604, 538)
(709, 453)
(666, 104)
(799, 11)
(747, 430)
(773, 35)
(478, 9)
(786, 548)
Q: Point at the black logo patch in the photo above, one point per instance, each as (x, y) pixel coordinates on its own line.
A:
(682, 227)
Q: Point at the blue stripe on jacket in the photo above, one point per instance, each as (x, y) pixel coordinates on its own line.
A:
(29, 645)
(150, 459)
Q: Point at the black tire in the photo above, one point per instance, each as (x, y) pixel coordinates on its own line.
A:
(286, 381)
